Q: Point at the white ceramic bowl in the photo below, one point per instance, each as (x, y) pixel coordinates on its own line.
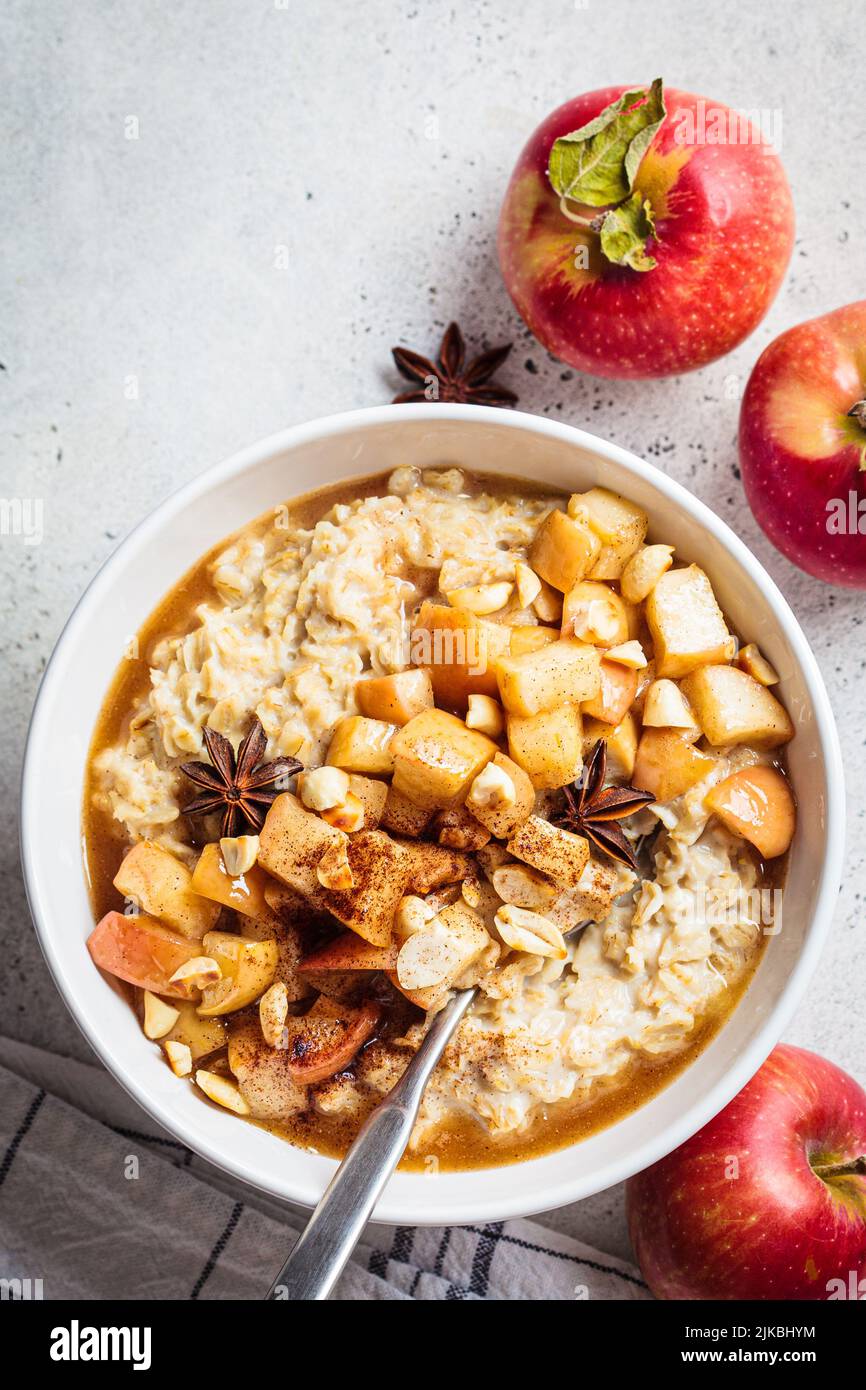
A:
(215, 504)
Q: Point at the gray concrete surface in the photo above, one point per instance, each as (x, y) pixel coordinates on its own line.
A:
(162, 163)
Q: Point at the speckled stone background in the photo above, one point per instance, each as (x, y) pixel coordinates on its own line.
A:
(218, 216)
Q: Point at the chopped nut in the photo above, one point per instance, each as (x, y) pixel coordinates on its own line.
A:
(649, 901)
(644, 570)
(159, 1017)
(529, 931)
(273, 1012)
(334, 870)
(492, 787)
(521, 886)
(481, 598)
(485, 714)
(458, 829)
(239, 854)
(548, 605)
(179, 1057)
(754, 663)
(348, 816)
(426, 959)
(222, 1090)
(323, 788)
(197, 973)
(412, 916)
(666, 707)
(528, 584)
(629, 654)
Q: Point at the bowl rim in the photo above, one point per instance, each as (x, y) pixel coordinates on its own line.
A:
(395, 1211)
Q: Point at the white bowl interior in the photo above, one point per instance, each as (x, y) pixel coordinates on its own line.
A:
(217, 503)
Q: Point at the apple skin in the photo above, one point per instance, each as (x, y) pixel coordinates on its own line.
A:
(778, 1231)
(799, 449)
(725, 233)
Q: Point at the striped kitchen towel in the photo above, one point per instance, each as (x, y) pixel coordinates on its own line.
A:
(98, 1202)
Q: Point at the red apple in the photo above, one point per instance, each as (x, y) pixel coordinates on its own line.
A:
(767, 1201)
(719, 200)
(803, 445)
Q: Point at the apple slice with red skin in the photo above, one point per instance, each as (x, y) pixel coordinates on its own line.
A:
(325, 1040)
(143, 952)
(803, 445)
(349, 952)
(767, 1201)
(724, 233)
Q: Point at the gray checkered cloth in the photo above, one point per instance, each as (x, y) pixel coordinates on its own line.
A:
(98, 1202)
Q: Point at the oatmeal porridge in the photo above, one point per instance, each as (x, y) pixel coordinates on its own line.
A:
(433, 732)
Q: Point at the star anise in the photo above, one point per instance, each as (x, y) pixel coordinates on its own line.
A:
(591, 808)
(450, 377)
(242, 787)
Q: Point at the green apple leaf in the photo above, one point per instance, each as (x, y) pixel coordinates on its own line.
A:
(624, 233)
(597, 164)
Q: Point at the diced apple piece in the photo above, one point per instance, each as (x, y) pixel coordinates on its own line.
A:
(262, 1072)
(732, 707)
(531, 637)
(372, 795)
(686, 623)
(349, 952)
(143, 952)
(594, 613)
(564, 550)
(758, 804)
(614, 699)
(552, 850)
(644, 570)
(325, 1040)
(620, 744)
(432, 866)
(381, 870)
(562, 672)
(668, 765)
(395, 699)
(751, 660)
(291, 843)
(619, 524)
(666, 707)
(290, 944)
(459, 829)
(630, 654)
(162, 887)
(503, 814)
(403, 817)
(548, 746)
(245, 894)
(460, 651)
(201, 1035)
(359, 744)
(248, 968)
(436, 759)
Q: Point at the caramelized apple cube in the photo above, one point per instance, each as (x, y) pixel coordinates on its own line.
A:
(732, 707)
(325, 1040)
(620, 743)
(348, 952)
(372, 795)
(548, 746)
(503, 814)
(395, 699)
(552, 850)
(460, 652)
(620, 526)
(616, 693)
(563, 550)
(263, 1072)
(162, 887)
(595, 613)
(201, 1035)
(668, 765)
(381, 869)
(758, 804)
(666, 707)
(686, 623)
(403, 817)
(436, 759)
(245, 893)
(432, 866)
(359, 744)
(559, 673)
(752, 660)
(248, 969)
(459, 829)
(531, 637)
(291, 843)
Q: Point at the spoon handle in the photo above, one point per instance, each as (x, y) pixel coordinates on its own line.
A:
(335, 1227)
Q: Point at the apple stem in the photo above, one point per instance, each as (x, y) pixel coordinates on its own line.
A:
(854, 1168)
(858, 413)
(592, 224)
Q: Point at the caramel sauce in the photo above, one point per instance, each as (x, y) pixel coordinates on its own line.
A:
(462, 1143)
